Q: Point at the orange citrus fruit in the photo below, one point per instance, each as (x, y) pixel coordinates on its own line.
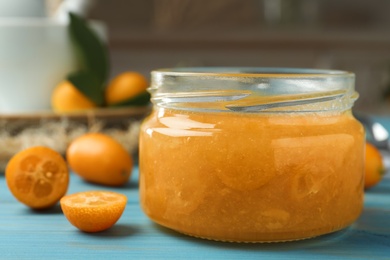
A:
(37, 176)
(125, 86)
(100, 159)
(93, 211)
(374, 168)
(67, 98)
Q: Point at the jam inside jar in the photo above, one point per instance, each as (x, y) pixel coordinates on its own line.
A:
(252, 154)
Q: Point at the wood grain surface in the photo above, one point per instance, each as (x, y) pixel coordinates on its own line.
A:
(28, 234)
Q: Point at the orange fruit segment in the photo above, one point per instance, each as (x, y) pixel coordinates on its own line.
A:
(100, 159)
(374, 168)
(93, 211)
(125, 86)
(37, 176)
(67, 98)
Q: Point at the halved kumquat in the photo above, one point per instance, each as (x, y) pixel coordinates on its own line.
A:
(37, 176)
(93, 211)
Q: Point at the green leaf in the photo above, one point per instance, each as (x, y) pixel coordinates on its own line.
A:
(141, 99)
(93, 53)
(88, 84)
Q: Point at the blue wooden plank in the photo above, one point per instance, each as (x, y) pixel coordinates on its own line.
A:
(28, 234)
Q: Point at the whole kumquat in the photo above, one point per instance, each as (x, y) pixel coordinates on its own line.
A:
(37, 176)
(93, 211)
(374, 168)
(125, 86)
(67, 98)
(100, 159)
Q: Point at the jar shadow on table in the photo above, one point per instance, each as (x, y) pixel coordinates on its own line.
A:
(321, 241)
(375, 221)
(379, 190)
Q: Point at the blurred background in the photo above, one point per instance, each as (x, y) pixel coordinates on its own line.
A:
(349, 35)
(143, 35)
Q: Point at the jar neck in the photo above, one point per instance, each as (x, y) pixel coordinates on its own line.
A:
(255, 93)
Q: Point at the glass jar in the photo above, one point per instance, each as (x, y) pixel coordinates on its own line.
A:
(252, 154)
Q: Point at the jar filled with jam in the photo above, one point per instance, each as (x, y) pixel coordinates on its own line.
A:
(252, 154)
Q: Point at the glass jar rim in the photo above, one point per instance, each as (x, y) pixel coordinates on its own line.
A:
(255, 72)
(253, 89)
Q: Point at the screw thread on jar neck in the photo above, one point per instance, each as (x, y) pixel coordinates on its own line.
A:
(253, 90)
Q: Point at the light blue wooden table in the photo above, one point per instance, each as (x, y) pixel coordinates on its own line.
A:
(27, 234)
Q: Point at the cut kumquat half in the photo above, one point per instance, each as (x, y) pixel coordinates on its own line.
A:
(93, 211)
(37, 176)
